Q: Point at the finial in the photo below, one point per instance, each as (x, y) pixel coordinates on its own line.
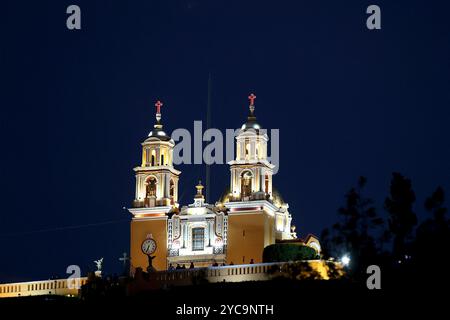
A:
(199, 188)
(158, 106)
(252, 98)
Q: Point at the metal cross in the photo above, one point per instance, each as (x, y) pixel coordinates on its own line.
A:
(252, 98)
(124, 259)
(158, 106)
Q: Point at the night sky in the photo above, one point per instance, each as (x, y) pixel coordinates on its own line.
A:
(75, 106)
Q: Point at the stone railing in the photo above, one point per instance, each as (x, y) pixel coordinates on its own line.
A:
(60, 287)
(234, 273)
(160, 279)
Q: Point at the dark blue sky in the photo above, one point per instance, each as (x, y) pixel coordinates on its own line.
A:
(75, 106)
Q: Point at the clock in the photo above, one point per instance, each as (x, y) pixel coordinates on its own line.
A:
(148, 246)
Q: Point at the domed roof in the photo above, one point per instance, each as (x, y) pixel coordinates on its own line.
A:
(251, 124)
(251, 119)
(159, 133)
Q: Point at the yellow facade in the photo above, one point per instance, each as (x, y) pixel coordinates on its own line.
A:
(248, 234)
(249, 217)
(140, 229)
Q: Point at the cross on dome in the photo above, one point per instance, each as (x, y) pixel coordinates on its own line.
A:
(252, 98)
(158, 106)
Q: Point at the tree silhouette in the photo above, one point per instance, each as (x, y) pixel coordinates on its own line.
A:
(423, 258)
(433, 235)
(435, 204)
(353, 233)
(402, 219)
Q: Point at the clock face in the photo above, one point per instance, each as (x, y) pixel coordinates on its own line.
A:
(148, 246)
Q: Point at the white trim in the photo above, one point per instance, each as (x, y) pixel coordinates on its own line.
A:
(149, 218)
(264, 204)
(156, 141)
(241, 213)
(196, 217)
(141, 169)
(262, 162)
(151, 210)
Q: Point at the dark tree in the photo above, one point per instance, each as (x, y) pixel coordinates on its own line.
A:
(402, 219)
(433, 235)
(353, 233)
(435, 204)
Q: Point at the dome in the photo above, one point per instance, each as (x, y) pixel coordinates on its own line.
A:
(159, 133)
(251, 120)
(277, 198)
(225, 195)
(251, 124)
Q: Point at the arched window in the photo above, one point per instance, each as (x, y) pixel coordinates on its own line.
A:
(246, 184)
(151, 187)
(266, 183)
(153, 158)
(247, 150)
(147, 156)
(162, 159)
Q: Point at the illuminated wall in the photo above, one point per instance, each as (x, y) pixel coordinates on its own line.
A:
(246, 237)
(139, 231)
(60, 287)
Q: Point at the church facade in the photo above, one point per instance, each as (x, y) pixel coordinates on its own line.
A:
(234, 230)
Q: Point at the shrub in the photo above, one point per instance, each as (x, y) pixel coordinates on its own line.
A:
(282, 252)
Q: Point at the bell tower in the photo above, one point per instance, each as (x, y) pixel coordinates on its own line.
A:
(156, 178)
(256, 216)
(156, 196)
(251, 172)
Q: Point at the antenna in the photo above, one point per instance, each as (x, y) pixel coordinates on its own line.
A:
(208, 125)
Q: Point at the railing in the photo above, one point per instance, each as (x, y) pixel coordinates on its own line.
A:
(45, 287)
(232, 273)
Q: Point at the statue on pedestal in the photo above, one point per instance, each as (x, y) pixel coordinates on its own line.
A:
(99, 265)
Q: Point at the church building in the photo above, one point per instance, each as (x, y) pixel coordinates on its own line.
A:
(234, 230)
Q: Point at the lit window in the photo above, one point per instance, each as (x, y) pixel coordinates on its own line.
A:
(198, 239)
(151, 187)
(153, 158)
(246, 183)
